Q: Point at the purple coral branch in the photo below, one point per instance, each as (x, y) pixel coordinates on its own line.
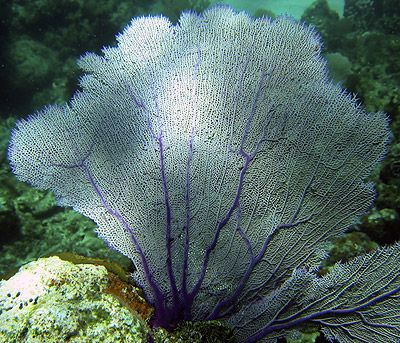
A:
(168, 213)
(186, 228)
(186, 298)
(140, 104)
(220, 225)
(233, 298)
(115, 213)
(248, 158)
(159, 138)
(255, 259)
(163, 321)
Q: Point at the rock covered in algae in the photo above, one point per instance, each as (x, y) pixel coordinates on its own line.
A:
(51, 300)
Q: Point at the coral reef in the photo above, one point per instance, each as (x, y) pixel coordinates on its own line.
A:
(288, 151)
(40, 41)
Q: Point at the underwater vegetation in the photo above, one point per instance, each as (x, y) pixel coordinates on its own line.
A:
(217, 155)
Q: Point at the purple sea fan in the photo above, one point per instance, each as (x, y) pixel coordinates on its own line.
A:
(220, 159)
